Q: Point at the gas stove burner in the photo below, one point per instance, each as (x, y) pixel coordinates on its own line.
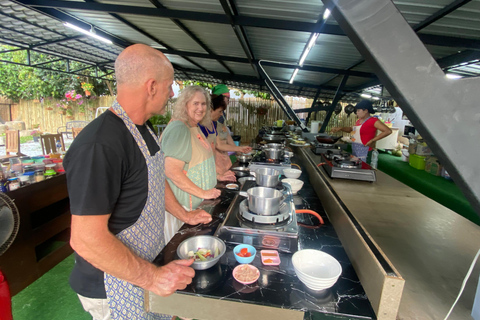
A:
(337, 156)
(347, 164)
(272, 161)
(283, 214)
(326, 145)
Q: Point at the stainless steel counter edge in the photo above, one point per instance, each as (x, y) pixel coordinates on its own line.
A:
(381, 281)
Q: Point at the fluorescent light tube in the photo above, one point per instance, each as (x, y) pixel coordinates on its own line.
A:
(293, 76)
(453, 76)
(311, 43)
(326, 14)
(366, 95)
(88, 33)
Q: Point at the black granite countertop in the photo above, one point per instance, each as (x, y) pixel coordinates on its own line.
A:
(278, 286)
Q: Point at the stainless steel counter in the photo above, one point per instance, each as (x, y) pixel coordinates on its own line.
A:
(431, 246)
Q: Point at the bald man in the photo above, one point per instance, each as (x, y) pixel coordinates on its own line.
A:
(118, 196)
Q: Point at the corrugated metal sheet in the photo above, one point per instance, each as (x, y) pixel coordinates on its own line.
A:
(22, 24)
(333, 51)
(220, 38)
(299, 10)
(277, 45)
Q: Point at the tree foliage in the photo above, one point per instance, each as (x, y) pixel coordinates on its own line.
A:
(24, 82)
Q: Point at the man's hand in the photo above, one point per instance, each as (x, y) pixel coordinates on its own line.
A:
(171, 277)
(211, 194)
(369, 143)
(198, 216)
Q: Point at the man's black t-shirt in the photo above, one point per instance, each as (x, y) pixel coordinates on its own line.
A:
(106, 174)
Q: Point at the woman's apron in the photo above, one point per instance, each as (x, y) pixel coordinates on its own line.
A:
(358, 148)
(201, 171)
(144, 238)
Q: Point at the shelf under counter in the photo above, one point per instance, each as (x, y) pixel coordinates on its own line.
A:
(44, 232)
(278, 294)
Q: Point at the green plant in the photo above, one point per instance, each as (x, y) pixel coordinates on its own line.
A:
(160, 120)
(25, 139)
(69, 112)
(23, 82)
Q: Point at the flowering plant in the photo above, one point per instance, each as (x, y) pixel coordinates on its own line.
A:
(88, 88)
(35, 133)
(71, 98)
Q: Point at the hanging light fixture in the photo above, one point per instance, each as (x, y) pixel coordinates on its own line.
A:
(90, 33)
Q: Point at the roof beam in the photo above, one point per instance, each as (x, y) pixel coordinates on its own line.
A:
(146, 34)
(231, 11)
(57, 41)
(440, 14)
(320, 69)
(184, 28)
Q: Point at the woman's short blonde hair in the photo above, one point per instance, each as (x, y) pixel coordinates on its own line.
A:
(180, 107)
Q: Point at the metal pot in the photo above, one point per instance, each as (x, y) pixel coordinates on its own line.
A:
(267, 177)
(244, 158)
(273, 154)
(273, 138)
(264, 201)
(275, 145)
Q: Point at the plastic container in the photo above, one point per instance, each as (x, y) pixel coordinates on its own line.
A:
(270, 257)
(39, 175)
(416, 161)
(240, 274)
(249, 248)
(13, 184)
(374, 162)
(16, 165)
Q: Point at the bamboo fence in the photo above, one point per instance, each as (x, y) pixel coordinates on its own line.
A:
(243, 115)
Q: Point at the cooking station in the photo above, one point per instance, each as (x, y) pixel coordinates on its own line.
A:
(277, 232)
(340, 164)
(278, 293)
(261, 161)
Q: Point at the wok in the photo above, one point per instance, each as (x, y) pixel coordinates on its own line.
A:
(349, 109)
(241, 171)
(327, 139)
(244, 158)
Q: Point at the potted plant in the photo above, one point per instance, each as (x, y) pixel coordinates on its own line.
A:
(36, 134)
(61, 107)
(69, 113)
(47, 103)
(81, 110)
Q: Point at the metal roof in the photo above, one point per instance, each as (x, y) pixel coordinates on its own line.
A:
(224, 40)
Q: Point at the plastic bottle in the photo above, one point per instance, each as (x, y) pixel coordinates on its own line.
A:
(59, 147)
(374, 162)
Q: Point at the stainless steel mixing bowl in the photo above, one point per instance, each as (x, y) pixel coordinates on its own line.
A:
(206, 242)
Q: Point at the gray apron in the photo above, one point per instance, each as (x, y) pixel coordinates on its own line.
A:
(145, 237)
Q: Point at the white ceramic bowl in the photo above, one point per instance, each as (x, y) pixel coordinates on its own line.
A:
(316, 267)
(296, 184)
(292, 173)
